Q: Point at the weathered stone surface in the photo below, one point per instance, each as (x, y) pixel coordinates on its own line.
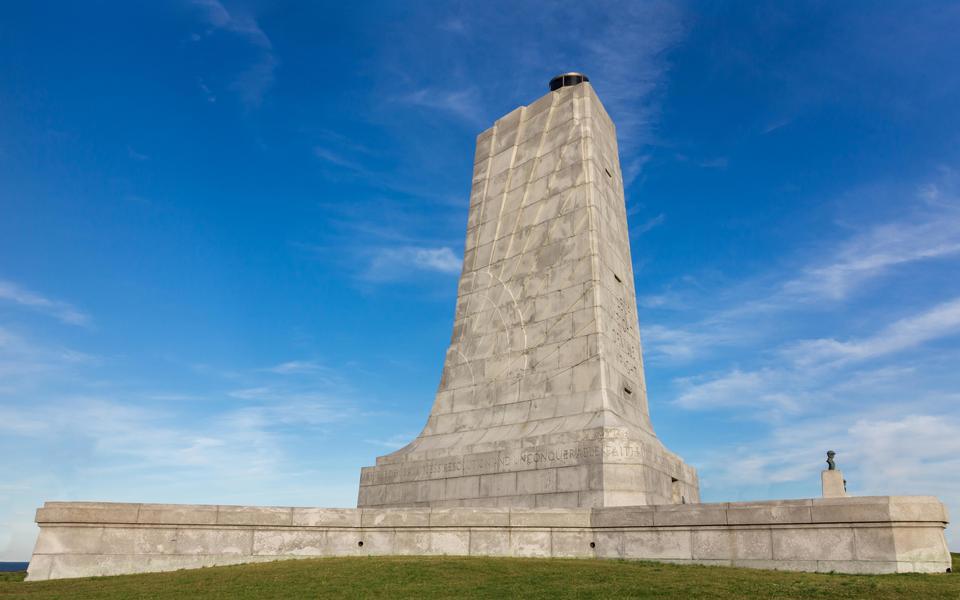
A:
(175, 514)
(542, 391)
(657, 544)
(299, 542)
(254, 515)
(832, 484)
(776, 511)
(852, 508)
(814, 543)
(213, 541)
(88, 512)
(326, 517)
(774, 534)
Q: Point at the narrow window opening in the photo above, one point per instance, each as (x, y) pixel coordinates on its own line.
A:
(617, 277)
(627, 390)
(676, 491)
(607, 171)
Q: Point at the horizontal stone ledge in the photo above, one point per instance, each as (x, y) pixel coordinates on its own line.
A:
(558, 525)
(861, 510)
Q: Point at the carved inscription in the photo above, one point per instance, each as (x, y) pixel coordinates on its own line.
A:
(518, 460)
(627, 352)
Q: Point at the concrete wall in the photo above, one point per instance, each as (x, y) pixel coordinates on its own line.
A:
(853, 535)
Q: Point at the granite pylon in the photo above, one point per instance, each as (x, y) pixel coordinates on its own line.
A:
(542, 401)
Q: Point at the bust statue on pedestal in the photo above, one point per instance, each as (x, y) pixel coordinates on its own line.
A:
(834, 485)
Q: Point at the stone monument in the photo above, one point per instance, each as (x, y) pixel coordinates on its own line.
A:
(539, 442)
(542, 402)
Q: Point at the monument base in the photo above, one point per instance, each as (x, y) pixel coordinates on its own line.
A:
(833, 484)
(879, 534)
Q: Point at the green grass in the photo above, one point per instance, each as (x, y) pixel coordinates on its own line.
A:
(448, 577)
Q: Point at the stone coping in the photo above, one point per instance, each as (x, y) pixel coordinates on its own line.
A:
(862, 509)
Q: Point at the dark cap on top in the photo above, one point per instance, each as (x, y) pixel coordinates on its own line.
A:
(567, 79)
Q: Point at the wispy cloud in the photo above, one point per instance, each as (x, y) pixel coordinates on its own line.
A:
(337, 158)
(628, 58)
(21, 296)
(390, 264)
(648, 225)
(462, 103)
(623, 50)
(940, 321)
(254, 82)
(832, 273)
(244, 25)
(872, 253)
(679, 343)
(296, 367)
(737, 389)
(393, 442)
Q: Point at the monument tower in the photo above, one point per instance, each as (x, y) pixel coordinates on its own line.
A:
(542, 401)
(540, 427)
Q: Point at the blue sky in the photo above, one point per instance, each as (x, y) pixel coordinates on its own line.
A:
(230, 235)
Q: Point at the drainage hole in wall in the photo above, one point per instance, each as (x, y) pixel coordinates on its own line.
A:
(593, 544)
(360, 543)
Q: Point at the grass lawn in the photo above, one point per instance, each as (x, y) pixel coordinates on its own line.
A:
(455, 577)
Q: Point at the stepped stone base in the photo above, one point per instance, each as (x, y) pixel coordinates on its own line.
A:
(880, 534)
(591, 468)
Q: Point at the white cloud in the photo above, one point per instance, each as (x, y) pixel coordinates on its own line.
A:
(391, 264)
(758, 389)
(661, 341)
(244, 25)
(462, 103)
(297, 367)
(62, 311)
(648, 225)
(394, 442)
(876, 251)
(25, 363)
(436, 259)
(940, 321)
(752, 308)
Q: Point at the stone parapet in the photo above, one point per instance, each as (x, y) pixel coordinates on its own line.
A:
(878, 534)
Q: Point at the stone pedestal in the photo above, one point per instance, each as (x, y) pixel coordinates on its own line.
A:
(833, 484)
(881, 534)
(542, 401)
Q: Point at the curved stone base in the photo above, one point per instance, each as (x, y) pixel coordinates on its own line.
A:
(880, 534)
